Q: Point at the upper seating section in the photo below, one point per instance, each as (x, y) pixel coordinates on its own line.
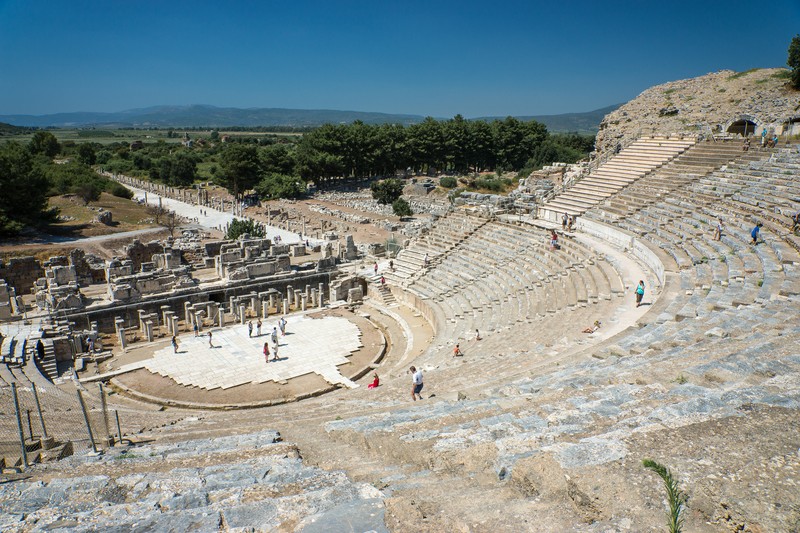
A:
(641, 157)
(695, 163)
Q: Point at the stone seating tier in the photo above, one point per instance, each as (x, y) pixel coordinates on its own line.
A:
(632, 163)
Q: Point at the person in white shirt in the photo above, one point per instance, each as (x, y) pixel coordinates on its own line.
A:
(416, 383)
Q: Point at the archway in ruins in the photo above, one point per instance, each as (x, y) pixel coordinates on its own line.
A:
(743, 127)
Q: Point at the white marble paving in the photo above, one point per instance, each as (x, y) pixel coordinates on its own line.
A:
(310, 346)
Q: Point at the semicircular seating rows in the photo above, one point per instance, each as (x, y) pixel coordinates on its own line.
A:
(722, 343)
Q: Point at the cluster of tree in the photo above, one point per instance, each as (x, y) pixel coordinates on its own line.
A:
(268, 170)
(28, 176)
(794, 61)
(455, 146)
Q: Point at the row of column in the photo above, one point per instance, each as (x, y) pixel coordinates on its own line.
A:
(194, 314)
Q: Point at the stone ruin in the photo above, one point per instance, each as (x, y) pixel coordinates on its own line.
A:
(8, 301)
(249, 258)
(59, 289)
(163, 273)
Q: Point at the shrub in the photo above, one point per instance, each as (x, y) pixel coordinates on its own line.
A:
(387, 191)
(675, 496)
(493, 184)
(448, 182)
(240, 227)
(401, 208)
(121, 191)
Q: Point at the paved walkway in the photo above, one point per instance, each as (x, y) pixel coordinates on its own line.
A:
(310, 346)
(213, 219)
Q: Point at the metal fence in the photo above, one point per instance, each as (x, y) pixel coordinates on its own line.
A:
(39, 423)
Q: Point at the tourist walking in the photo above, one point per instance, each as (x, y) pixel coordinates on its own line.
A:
(249, 328)
(416, 383)
(258, 328)
(755, 233)
(175, 344)
(274, 335)
(375, 268)
(266, 352)
(275, 351)
(196, 329)
(553, 240)
(210, 344)
(718, 230)
(282, 326)
(391, 265)
(564, 219)
(639, 293)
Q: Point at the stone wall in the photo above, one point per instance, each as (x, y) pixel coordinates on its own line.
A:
(105, 315)
(140, 253)
(21, 273)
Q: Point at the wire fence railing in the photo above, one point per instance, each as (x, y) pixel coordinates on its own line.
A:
(44, 423)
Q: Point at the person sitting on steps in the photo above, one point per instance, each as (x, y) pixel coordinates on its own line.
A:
(375, 382)
(593, 328)
(457, 351)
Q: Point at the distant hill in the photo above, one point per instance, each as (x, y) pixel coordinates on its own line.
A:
(220, 117)
(587, 122)
(9, 129)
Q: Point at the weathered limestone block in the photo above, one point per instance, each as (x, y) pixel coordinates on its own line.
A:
(355, 295)
(105, 217)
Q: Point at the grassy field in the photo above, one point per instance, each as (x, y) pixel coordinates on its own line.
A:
(127, 216)
(108, 136)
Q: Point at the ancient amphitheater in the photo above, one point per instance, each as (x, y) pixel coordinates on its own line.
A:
(538, 426)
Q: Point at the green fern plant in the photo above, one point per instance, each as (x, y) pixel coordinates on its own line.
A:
(675, 496)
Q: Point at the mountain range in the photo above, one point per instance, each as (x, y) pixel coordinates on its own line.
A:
(221, 117)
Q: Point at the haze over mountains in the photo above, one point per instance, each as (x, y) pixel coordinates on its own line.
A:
(220, 117)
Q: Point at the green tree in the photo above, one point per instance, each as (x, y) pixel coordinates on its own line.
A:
(277, 158)
(275, 185)
(240, 168)
(794, 60)
(44, 142)
(24, 201)
(184, 170)
(401, 208)
(239, 227)
(214, 136)
(387, 191)
(86, 154)
(88, 192)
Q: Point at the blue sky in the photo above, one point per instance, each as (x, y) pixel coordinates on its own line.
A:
(418, 57)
